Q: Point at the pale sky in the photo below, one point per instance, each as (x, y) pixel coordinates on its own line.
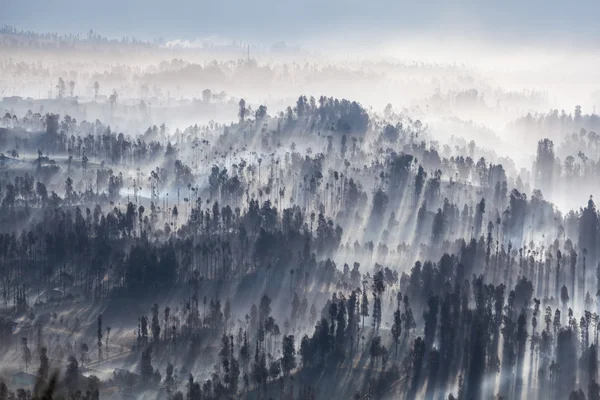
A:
(507, 20)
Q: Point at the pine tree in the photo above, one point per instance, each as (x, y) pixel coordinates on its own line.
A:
(288, 361)
(72, 374)
(340, 334)
(397, 328)
(44, 365)
(26, 352)
(376, 311)
(364, 307)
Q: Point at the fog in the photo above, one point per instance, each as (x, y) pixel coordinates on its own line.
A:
(299, 200)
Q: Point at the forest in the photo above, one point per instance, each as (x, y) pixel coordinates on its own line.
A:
(241, 221)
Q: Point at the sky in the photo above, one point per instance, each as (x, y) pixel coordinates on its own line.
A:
(545, 21)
